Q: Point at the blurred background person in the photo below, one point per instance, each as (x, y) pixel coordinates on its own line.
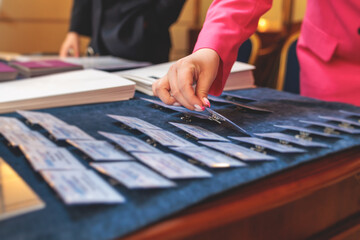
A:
(132, 29)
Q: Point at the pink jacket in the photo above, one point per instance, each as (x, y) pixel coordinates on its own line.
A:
(328, 48)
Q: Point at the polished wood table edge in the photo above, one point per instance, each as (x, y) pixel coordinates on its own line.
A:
(259, 196)
(342, 230)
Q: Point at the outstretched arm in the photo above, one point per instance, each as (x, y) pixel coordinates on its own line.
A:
(80, 25)
(228, 24)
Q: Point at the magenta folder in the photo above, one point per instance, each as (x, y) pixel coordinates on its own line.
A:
(44, 67)
(7, 72)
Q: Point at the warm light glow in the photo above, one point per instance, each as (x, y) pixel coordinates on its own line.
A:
(268, 25)
(262, 25)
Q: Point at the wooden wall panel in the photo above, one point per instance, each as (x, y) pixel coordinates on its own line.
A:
(33, 26)
(22, 10)
(40, 26)
(31, 37)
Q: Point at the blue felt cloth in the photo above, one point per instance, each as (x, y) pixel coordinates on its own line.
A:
(58, 221)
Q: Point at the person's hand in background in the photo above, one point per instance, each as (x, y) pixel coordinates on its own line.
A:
(198, 69)
(70, 46)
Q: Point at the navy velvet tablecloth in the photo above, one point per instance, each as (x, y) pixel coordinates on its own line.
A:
(58, 221)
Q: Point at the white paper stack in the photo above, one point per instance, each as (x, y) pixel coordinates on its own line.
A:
(64, 89)
(241, 76)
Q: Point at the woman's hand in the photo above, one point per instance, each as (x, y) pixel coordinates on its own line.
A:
(177, 87)
(71, 45)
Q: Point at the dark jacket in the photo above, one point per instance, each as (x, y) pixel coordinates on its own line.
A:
(131, 29)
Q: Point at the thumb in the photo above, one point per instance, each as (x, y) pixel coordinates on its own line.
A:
(202, 88)
(76, 48)
(63, 50)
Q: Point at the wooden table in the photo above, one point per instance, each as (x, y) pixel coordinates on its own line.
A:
(317, 200)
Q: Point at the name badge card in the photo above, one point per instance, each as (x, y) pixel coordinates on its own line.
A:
(66, 132)
(309, 131)
(133, 175)
(134, 122)
(161, 104)
(41, 118)
(166, 138)
(12, 124)
(171, 166)
(199, 132)
(341, 120)
(269, 145)
(234, 95)
(81, 187)
(100, 150)
(45, 158)
(179, 109)
(221, 100)
(26, 139)
(238, 151)
(332, 126)
(130, 143)
(209, 157)
(292, 139)
(220, 118)
(355, 114)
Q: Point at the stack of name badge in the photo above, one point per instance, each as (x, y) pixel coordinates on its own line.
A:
(165, 167)
(157, 134)
(213, 158)
(137, 164)
(74, 183)
(260, 146)
(132, 174)
(202, 155)
(334, 128)
(209, 114)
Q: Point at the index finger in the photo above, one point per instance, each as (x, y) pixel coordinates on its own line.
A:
(161, 89)
(186, 86)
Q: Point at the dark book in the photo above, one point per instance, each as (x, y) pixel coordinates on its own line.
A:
(7, 72)
(38, 68)
(104, 63)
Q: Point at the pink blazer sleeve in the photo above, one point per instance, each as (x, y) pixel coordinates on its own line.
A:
(228, 24)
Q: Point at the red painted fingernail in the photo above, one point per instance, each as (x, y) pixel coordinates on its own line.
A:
(198, 108)
(206, 101)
